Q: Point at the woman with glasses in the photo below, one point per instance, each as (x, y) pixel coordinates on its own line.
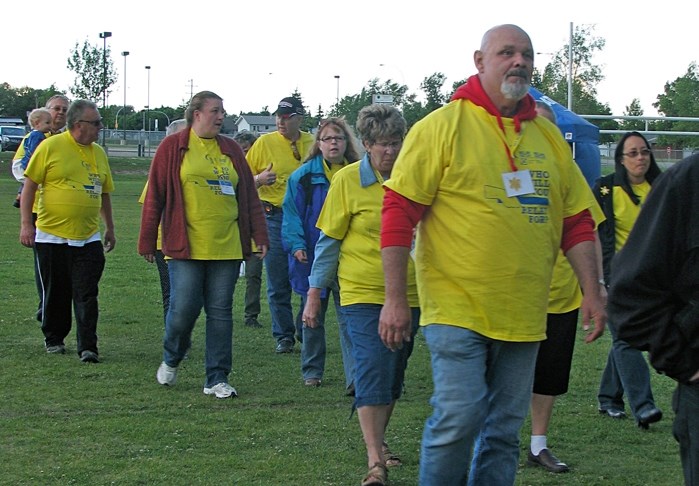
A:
(307, 187)
(621, 195)
(202, 194)
(349, 243)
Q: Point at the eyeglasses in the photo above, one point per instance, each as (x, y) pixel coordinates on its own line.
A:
(94, 123)
(386, 145)
(336, 138)
(635, 153)
(287, 116)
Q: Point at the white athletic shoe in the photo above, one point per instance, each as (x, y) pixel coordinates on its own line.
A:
(166, 375)
(221, 390)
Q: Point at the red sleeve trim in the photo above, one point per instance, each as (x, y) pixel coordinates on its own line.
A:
(576, 229)
(399, 217)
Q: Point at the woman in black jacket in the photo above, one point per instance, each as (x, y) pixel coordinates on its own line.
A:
(620, 196)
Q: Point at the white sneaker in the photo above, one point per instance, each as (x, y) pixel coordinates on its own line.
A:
(221, 390)
(166, 375)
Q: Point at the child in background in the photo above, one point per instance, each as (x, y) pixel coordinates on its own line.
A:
(40, 121)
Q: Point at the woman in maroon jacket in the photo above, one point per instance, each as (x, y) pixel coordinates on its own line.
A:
(202, 192)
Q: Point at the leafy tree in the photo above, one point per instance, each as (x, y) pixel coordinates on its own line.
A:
(680, 98)
(350, 105)
(88, 63)
(553, 80)
(20, 101)
(634, 109)
(432, 87)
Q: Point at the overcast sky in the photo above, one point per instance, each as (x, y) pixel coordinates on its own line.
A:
(254, 53)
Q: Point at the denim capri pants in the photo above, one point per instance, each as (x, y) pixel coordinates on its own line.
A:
(379, 372)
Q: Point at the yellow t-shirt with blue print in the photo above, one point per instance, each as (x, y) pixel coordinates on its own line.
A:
(484, 259)
(73, 178)
(209, 181)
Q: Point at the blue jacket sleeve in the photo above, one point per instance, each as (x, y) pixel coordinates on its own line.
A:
(292, 225)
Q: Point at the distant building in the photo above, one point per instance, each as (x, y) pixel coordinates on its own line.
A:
(11, 121)
(256, 123)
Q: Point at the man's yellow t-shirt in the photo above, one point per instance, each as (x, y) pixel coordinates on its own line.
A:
(273, 148)
(73, 178)
(484, 257)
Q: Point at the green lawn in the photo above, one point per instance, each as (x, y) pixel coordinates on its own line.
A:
(64, 422)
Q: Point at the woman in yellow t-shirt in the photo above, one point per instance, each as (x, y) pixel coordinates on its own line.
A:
(350, 224)
(621, 196)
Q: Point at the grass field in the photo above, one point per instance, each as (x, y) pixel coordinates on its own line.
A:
(64, 422)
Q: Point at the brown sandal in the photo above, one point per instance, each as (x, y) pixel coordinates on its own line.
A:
(391, 459)
(376, 476)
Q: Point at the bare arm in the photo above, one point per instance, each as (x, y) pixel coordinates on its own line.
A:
(584, 259)
(106, 211)
(27, 231)
(395, 320)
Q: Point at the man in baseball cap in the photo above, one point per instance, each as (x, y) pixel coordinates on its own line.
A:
(289, 106)
(272, 159)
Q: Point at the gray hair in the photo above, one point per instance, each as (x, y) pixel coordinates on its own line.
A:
(175, 126)
(76, 110)
(246, 136)
(380, 121)
(55, 97)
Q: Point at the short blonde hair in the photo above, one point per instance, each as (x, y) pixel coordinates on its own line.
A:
(36, 115)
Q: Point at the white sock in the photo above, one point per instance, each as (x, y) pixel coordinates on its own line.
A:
(538, 443)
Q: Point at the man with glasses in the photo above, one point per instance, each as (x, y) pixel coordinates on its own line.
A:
(76, 183)
(58, 106)
(272, 159)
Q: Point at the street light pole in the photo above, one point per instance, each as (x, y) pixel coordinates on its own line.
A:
(148, 109)
(337, 99)
(104, 36)
(124, 53)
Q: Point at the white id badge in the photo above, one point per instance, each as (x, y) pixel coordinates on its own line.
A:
(98, 187)
(518, 183)
(227, 188)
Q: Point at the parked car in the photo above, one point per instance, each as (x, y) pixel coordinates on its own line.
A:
(11, 137)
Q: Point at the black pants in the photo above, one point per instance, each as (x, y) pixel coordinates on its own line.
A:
(70, 275)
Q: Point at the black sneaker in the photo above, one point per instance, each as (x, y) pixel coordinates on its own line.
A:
(252, 322)
(88, 356)
(55, 349)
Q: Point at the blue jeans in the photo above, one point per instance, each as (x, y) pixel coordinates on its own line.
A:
(482, 389)
(379, 373)
(313, 348)
(278, 284)
(193, 284)
(626, 372)
(685, 428)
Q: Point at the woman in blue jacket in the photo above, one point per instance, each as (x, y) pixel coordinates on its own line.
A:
(333, 149)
